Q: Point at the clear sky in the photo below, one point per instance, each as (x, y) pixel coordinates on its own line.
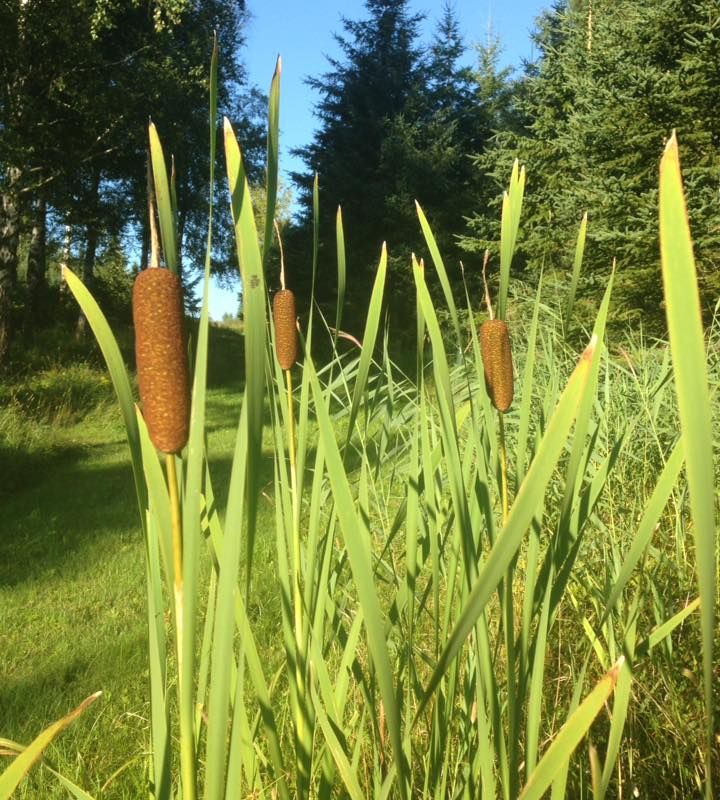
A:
(301, 31)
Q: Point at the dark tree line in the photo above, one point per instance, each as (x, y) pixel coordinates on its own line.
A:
(79, 81)
(588, 116)
(399, 120)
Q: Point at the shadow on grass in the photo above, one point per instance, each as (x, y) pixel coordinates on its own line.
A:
(63, 502)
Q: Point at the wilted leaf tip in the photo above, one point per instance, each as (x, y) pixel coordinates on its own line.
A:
(590, 349)
(614, 672)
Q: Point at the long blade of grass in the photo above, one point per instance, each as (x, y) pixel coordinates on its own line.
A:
(521, 515)
(254, 314)
(273, 147)
(570, 735)
(577, 267)
(687, 345)
(11, 778)
(164, 200)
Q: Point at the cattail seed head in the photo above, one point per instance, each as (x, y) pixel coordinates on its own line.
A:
(161, 357)
(497, 362)
(286, 343)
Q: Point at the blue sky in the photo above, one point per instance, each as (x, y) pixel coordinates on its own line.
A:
(301, 31)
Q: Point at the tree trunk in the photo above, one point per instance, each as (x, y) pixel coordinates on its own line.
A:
(36, 264)
(88, 273)
(144, 245)
(9, 238)
(65, 256)
(92, 234)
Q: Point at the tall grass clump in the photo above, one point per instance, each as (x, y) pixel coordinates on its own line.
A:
(464, 610)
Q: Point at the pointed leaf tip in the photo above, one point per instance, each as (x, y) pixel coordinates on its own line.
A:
(589, 351)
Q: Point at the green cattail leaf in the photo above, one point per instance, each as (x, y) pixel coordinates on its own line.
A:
(369, 339)
(648, 524)
(118, 374)
(250, 651)
(223, 656)
(527, 395)
(345, 768)
(11, 778)
(621, 701)
(687, 345)
(441, 272)
(273, 147)
(254, 315)
(509, 226)
(570, 736)
(164, 201)
(316, 238)
(577, 266)
(341, 272)
(355, 536)
(192, 497)
(666, 628)
(72, 788)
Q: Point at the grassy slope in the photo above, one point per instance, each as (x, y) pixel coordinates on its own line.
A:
(72, 574)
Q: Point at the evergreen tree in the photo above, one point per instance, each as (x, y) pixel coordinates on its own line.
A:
(364, 96)
(397, 127)
(612, 80)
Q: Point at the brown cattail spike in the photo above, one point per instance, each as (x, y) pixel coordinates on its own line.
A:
(497, 361)
(286, 344)
(161, 357)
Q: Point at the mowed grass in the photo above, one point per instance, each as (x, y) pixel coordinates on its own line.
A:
(72, 567)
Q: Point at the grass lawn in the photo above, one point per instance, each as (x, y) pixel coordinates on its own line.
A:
(72, 571)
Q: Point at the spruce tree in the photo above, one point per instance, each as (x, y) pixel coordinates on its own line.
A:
(362, 98)
(612, 81)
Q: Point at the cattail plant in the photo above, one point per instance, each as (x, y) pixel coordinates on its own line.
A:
(161, 357)
(162, 368)
(497, 363)
(284, 316)
(286, 351)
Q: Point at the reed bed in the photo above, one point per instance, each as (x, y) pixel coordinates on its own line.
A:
(468, 601)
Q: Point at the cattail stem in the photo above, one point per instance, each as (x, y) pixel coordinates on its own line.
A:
(300, 722)
(509, 621)
(187, 735)
(503, 471)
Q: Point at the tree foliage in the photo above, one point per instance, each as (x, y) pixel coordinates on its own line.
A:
(396, 125)
(612, 80)
(78, 83)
